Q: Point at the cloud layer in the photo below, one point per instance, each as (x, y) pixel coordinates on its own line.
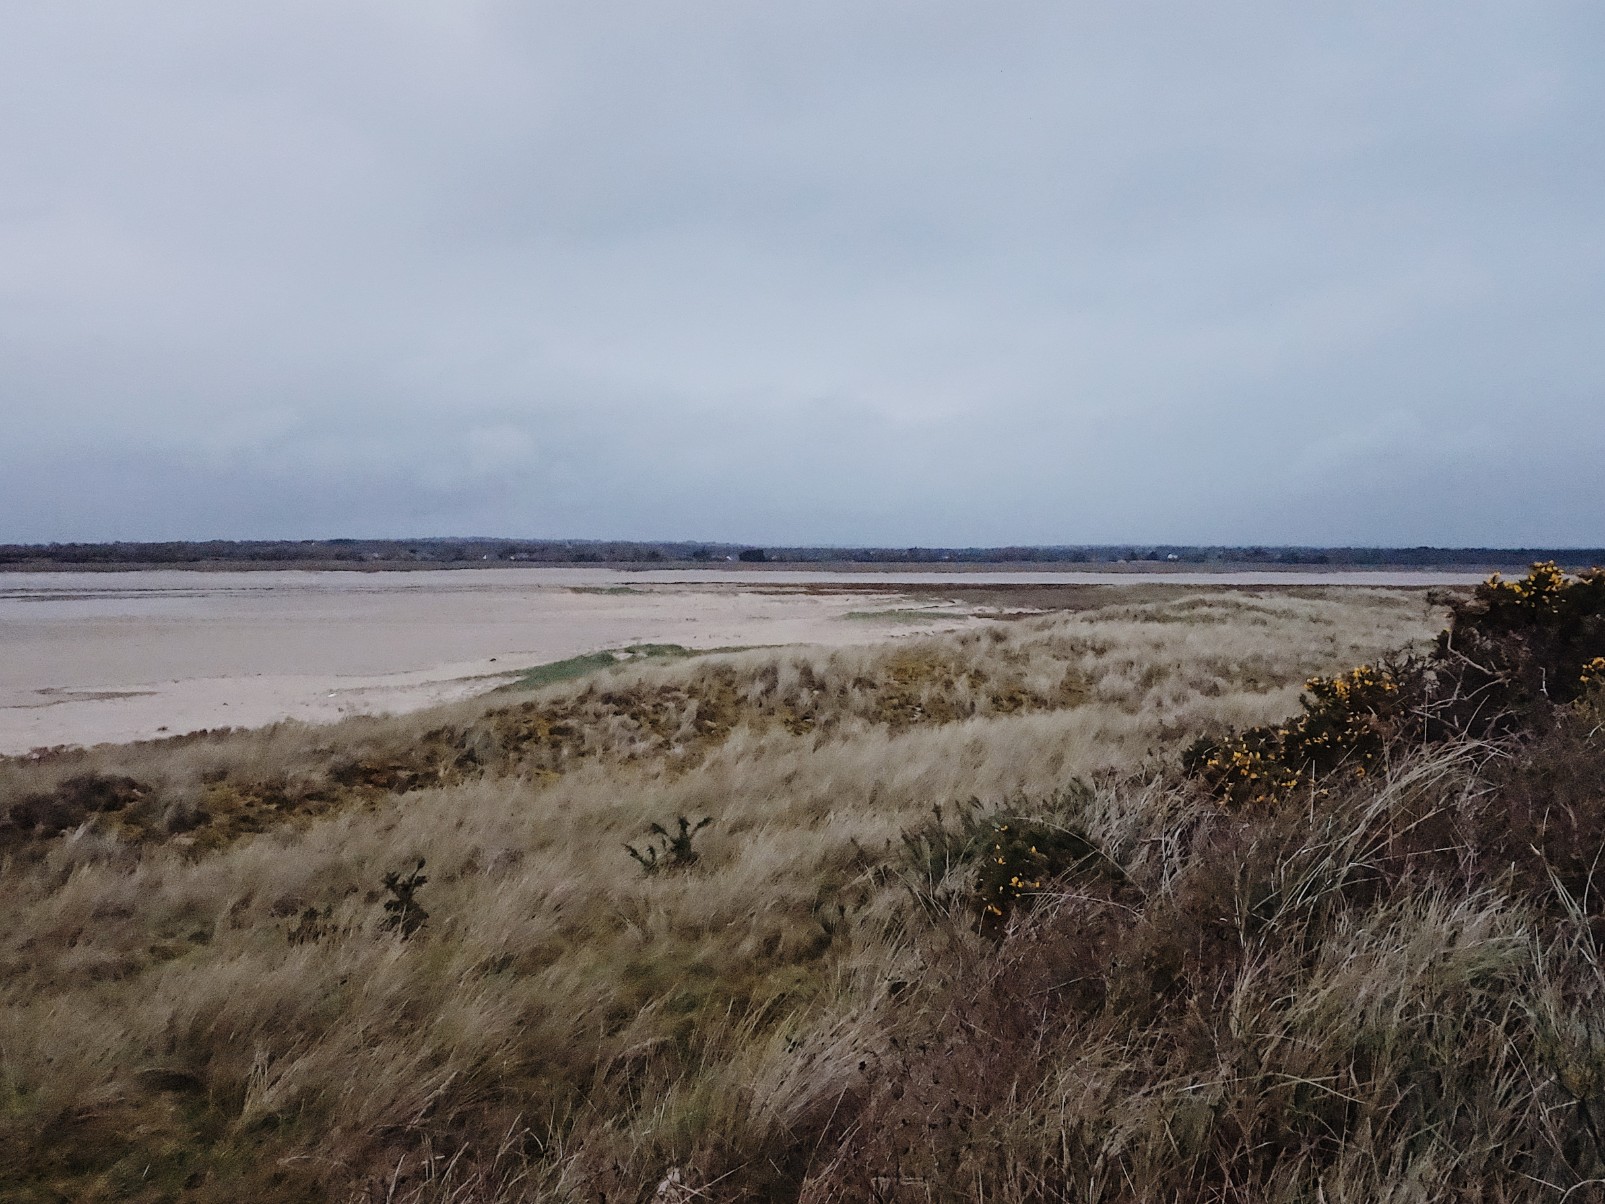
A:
(897, 272)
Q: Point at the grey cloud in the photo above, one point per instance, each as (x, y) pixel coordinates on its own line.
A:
(934, 273)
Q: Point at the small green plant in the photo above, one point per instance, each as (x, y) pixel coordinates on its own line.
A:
(673, 850)
(938, 846)
(403, 912)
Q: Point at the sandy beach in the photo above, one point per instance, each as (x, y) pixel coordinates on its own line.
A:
(94, 657)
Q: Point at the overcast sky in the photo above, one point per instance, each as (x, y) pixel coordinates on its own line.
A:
(842, 271)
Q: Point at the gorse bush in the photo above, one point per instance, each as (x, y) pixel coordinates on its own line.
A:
(1005, 858)
(1519, 647)
(1348, 721)
(1516, 649)
(1024, 858)
(1512, 654)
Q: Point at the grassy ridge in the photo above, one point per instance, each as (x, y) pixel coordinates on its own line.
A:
(1389, 995)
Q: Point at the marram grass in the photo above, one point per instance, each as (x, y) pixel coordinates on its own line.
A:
(1390, 992)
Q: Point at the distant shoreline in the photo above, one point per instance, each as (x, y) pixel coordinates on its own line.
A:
(1135, 568)
(619, 556)
(968, 581)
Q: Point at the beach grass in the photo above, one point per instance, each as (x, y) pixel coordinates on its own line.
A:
(1387, 994)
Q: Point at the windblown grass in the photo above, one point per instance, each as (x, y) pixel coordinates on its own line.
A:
(1133, 673)
(1391, 994)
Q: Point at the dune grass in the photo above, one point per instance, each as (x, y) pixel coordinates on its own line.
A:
(1391, 995)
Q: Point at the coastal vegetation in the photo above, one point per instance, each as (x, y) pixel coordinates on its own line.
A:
(994, 915)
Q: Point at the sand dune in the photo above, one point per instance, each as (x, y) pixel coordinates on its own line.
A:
(93, 657)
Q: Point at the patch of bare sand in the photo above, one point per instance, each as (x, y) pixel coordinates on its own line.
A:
(89, 658)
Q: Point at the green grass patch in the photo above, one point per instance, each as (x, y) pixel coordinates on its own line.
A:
(905, 615)
(610, 590)
(590, 662)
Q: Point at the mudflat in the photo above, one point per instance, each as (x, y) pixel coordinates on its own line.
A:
(90, 657)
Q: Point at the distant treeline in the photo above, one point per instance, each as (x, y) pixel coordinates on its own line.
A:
(435, 552)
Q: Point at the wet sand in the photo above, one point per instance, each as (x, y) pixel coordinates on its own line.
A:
(93, 657)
